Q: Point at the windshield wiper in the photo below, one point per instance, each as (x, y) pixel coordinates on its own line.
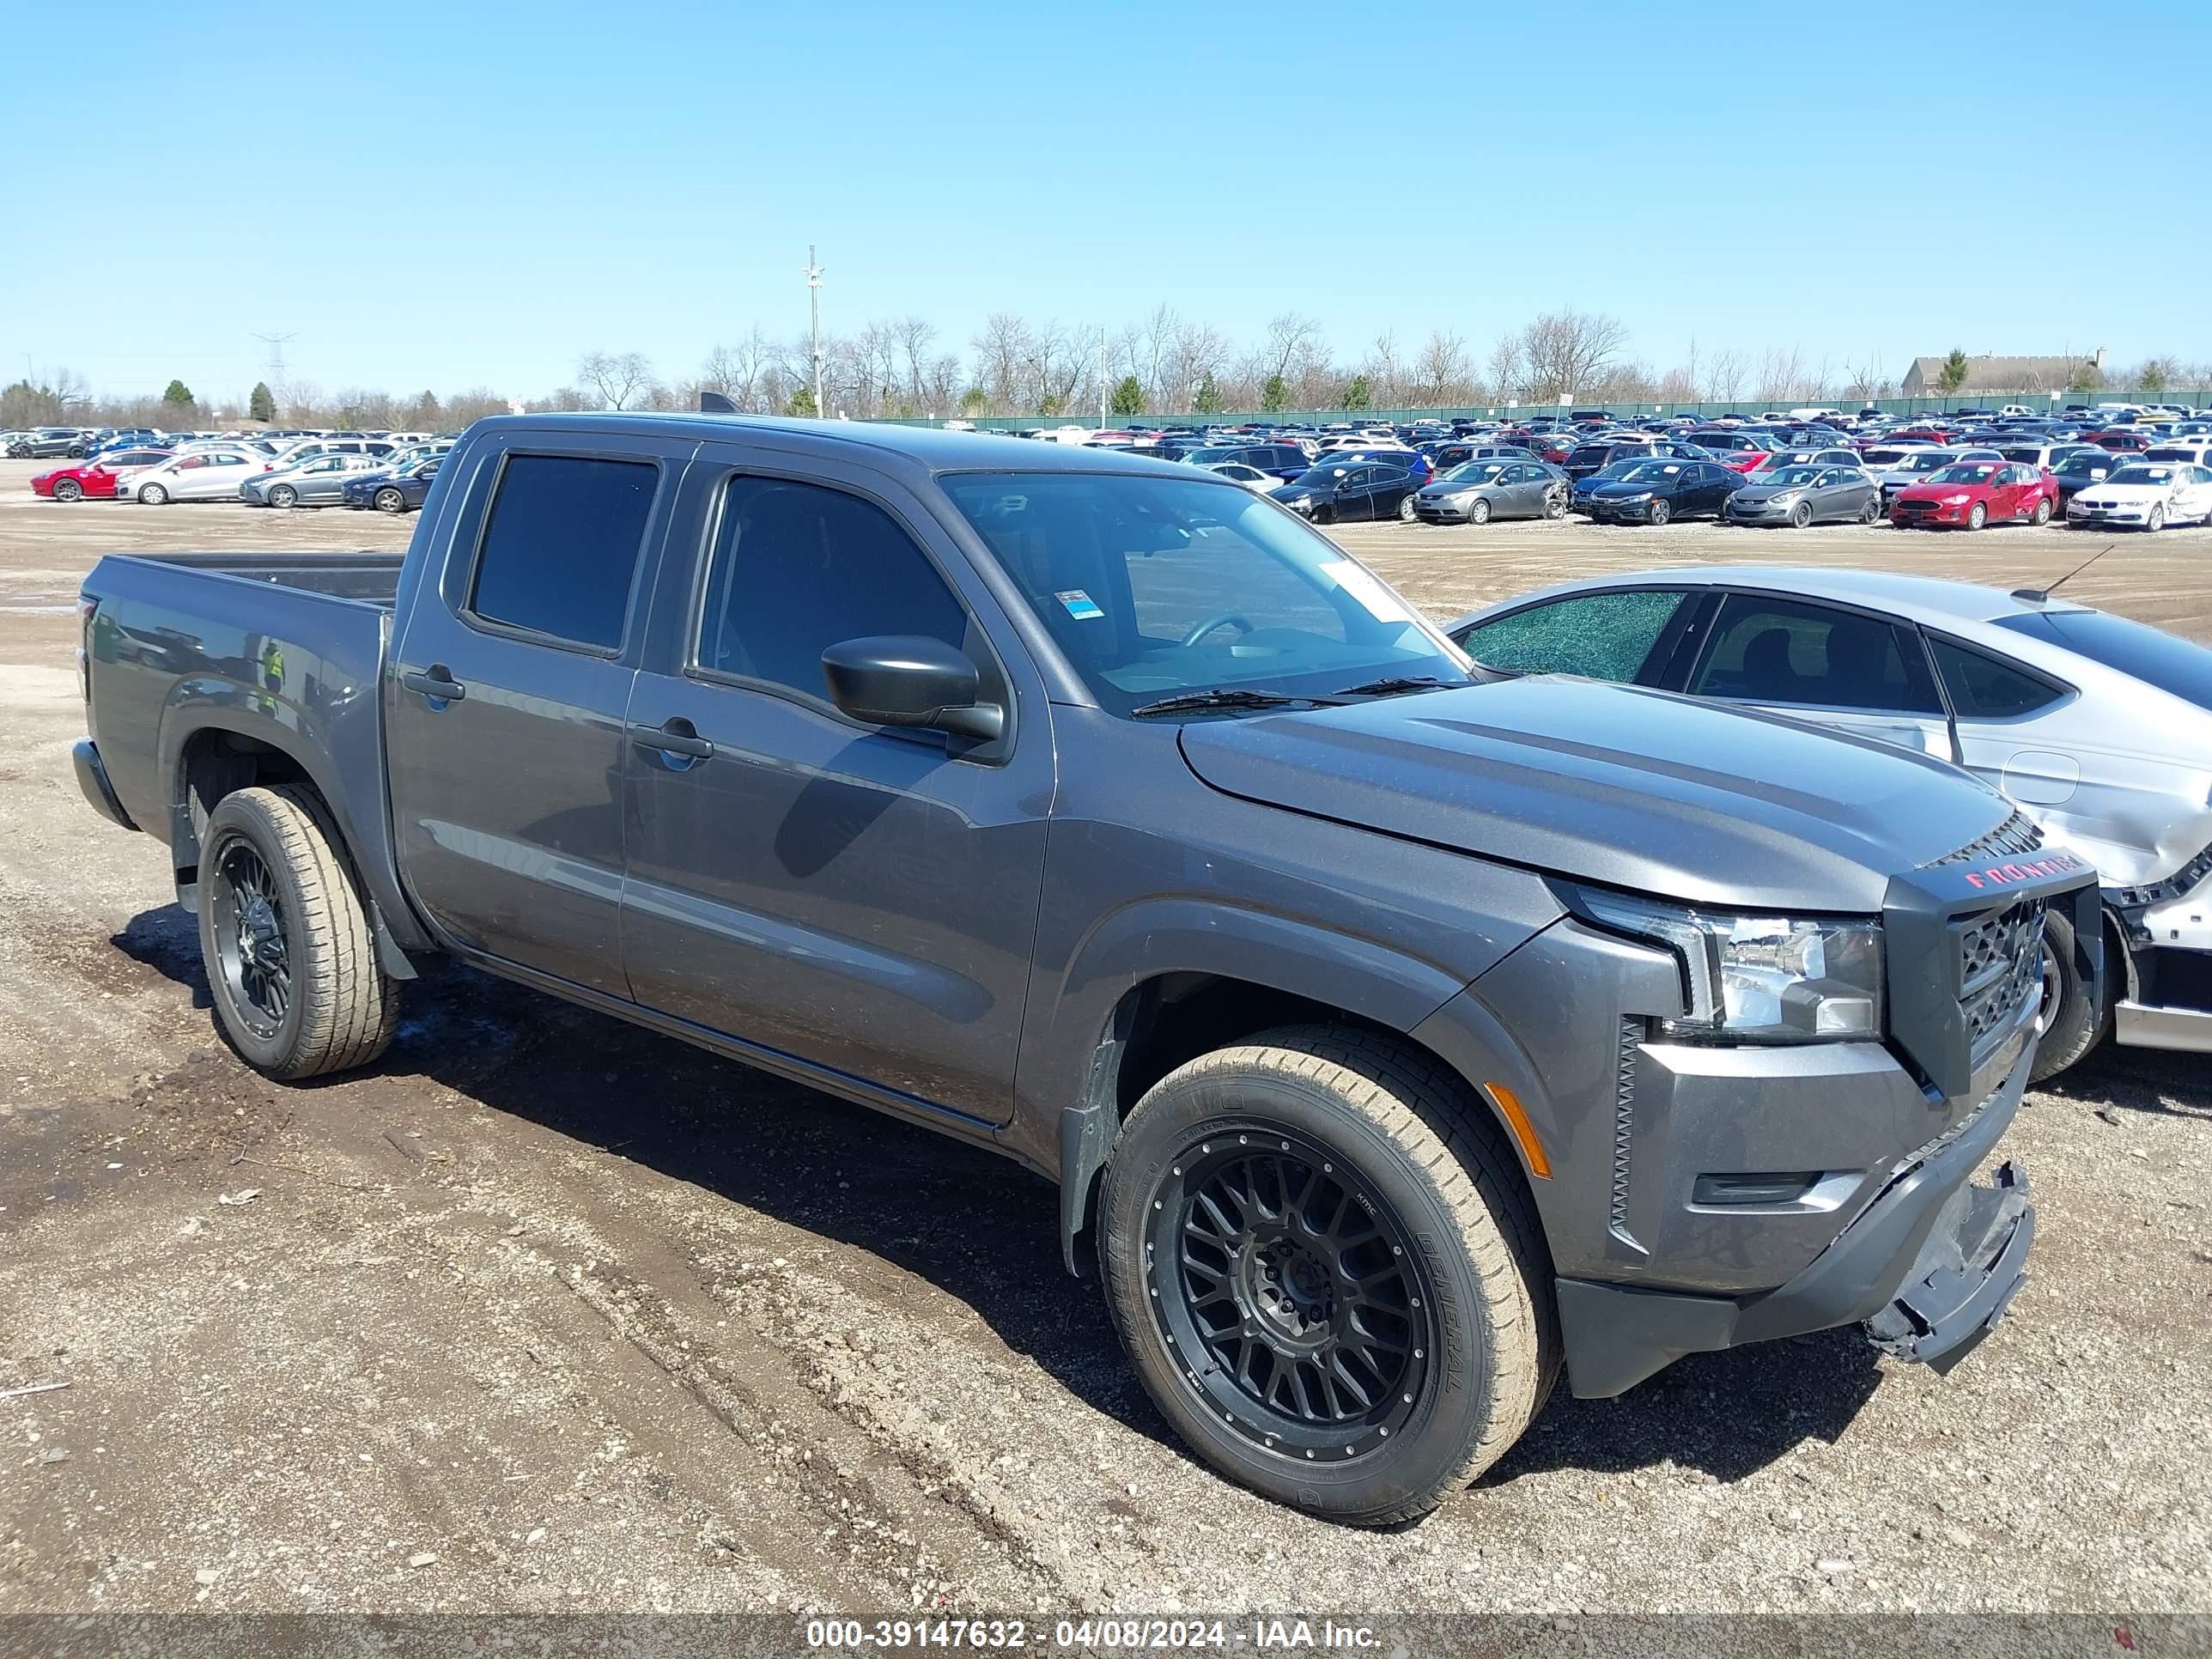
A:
(1221, 698)
(1390, 686)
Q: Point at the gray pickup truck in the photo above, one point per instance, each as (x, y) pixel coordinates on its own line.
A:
(1399, 1035)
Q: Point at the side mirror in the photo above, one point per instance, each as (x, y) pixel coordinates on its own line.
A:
(903, 679)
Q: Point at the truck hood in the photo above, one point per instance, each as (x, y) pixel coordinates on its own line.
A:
(1612, 784)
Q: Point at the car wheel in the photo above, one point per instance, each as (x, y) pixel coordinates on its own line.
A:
(1406, 510)
(389, 500)
(152, 494)
(1801, 515)
(1477, 511)
(1322, 1257)
(68, 489)
(1870, 514)
(1555, 506)
(2156, 521)
(1977, 516)
(77, 451)
(1660, 513)
(291, 963)
(283, 495)
(2042, 513)
(2070, 1025)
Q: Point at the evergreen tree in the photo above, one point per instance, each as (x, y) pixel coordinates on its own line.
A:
(1128, 397)
(262, 405)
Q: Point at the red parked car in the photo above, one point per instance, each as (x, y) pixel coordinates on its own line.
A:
(1971, 493)
(1938, 433)
(92, 481)
(2120, 440)
(1740, 452)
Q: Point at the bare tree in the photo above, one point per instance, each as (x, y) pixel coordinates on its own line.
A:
(1780, 373)
(616, 380)
(1563, 353)
(1442, 369)
(1507, 374)
(1867, 381)
(1725, 377)
(736, 371)
(1290, 338)
(1000, 349)
(915, 336)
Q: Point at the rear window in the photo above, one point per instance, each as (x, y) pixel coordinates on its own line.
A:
(2172, 664)
(561, 545)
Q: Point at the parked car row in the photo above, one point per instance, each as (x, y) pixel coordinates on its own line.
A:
(299, 470)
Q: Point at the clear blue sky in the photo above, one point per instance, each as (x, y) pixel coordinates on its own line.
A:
(447, 195)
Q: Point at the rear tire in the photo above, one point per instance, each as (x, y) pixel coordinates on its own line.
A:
(2069, 1032)
(1406, 510)
(2042, 513)
(279, 906)
(1322, 1157)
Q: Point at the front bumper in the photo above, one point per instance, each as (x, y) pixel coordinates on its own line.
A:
(1929, 1267)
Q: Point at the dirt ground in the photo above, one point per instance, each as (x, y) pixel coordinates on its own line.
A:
(544, 1312)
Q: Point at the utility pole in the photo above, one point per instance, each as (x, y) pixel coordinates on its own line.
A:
(1101, 377)
(814, 291)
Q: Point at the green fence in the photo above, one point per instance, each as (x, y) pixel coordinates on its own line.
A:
(2196, 397)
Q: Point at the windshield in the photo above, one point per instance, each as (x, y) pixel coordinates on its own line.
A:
(2142, 475)
(2159, 658)
(1649, 471)
(1473, 472)
(2089, 463)
(1965, 472)
(1158, 587)
(1790, 477)
(1326, 476)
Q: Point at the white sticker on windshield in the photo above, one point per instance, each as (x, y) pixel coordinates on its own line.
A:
(1377, 600)
(1080, 605)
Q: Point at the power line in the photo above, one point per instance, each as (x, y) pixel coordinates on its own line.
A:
(275, 344)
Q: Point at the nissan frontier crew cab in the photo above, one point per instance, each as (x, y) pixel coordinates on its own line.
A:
(1398, 1037)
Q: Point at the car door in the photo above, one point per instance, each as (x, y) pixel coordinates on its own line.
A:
(505, 737)
(2004, 492)
(1624, 634)
(1851, 670)
(187, 482)
(1391, 485)
(1355, 494)
(854, 896)
(1517, 493)
(320, 481)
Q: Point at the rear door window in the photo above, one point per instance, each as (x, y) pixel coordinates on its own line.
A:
(561, 546)
(1783, 651)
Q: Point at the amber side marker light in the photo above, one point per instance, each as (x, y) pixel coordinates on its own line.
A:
(1517, 1118)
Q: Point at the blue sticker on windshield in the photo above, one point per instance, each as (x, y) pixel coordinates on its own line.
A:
(1080, 605)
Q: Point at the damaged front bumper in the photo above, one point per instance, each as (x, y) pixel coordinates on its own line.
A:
(1928, 1267)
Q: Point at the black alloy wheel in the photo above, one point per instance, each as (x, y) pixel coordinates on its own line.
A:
(1285, 1286)
(253, 949)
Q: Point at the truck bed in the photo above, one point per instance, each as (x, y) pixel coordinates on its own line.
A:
(368, 578)
(283, 649)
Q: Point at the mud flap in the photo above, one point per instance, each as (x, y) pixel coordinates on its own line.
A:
(1967, 1273)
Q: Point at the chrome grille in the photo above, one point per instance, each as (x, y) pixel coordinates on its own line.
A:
(2017, 835)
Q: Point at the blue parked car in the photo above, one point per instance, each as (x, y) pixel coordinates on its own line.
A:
(392, 492)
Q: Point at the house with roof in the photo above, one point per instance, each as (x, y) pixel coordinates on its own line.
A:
(1987, 375)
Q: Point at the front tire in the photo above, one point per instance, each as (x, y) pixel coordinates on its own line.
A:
(1977, 516)
(292, 965)
(1660, 513)
(391, 501)
(2156, 521)
(1801, 515)
(1870, 514)
(68, 489)
(2070, 1028)
(283, 495)
(1478, 510)
(1322, 1260)
(152, 494)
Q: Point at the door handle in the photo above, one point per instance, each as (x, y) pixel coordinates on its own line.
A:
(436, 683)
(675, 736)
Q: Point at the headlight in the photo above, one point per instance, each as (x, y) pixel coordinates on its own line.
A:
(1754, 978)
(1956, 501)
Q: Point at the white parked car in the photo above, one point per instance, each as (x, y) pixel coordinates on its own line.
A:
(2146, 495)
(213, 473)
(1250, 477)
